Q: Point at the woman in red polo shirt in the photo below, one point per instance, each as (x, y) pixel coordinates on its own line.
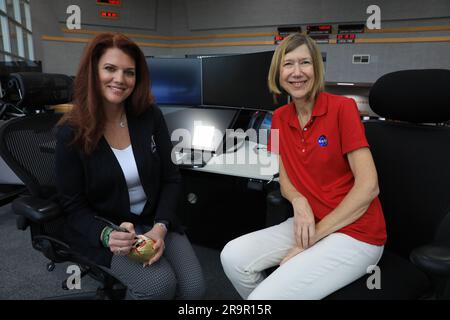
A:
(337, 233)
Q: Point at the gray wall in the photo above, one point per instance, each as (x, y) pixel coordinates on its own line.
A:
(44, 19)
(203, 17)
(148, 17)
(384, 59)
(236, 16)
(208, 15)
(135, 14)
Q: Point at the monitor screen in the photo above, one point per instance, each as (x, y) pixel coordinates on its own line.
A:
(261, 122)
(239, 81)
(264, 129)
(198, 128)
(266, 122)
(176, 80)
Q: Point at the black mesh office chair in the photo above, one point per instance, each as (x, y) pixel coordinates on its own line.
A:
(24, 93)
(27, 144)
(411, 151)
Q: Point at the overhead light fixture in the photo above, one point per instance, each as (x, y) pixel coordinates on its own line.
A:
(345, 84)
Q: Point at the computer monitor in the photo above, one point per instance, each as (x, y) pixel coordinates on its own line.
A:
(239, 81)
(261, 122)
(264, 129)
(201, 129)
(176, 81)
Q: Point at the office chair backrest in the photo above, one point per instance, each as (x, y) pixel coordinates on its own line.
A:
(412, 158)
(27, 145)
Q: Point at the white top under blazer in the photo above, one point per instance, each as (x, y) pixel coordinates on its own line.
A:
(136, 193)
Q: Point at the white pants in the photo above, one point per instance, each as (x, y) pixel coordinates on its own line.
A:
(327, 266)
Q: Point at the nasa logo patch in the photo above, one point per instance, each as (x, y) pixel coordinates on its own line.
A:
(323, 142)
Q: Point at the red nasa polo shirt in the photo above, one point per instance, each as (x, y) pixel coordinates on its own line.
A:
(316, 163)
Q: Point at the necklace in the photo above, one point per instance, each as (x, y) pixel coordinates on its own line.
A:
(123, 121)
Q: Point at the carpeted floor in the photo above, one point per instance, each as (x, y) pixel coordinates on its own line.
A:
(23, 274)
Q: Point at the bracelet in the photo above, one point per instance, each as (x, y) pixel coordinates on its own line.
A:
(105, 236)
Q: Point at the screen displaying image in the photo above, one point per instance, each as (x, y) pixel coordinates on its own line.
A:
(176, 81)
(198, 128)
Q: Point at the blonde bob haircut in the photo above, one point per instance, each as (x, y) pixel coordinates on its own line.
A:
(289, 44)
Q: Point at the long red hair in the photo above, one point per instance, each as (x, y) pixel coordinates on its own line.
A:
(87, 116)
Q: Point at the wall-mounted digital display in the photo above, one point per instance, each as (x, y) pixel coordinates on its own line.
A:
(284, 31)
(109, 14)
(239, 81)
(110, 2)
(346, 38)
(278, 39)
(176, 81)
(351, 28)
(319, 29)
(320, 38)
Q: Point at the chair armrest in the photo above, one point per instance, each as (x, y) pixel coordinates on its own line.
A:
(36, 209)
(432, 259)
(278, 208)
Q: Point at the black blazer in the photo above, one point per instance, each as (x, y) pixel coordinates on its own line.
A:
(90, 185)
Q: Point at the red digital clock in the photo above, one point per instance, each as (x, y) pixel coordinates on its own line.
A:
(109, 14)
(319, 29)
(110, 2)
(346, 38)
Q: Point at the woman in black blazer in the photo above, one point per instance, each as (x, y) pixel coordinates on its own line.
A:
(113, 160)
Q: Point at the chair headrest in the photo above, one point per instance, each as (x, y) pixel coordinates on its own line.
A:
(39, 89)
(421, 96)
